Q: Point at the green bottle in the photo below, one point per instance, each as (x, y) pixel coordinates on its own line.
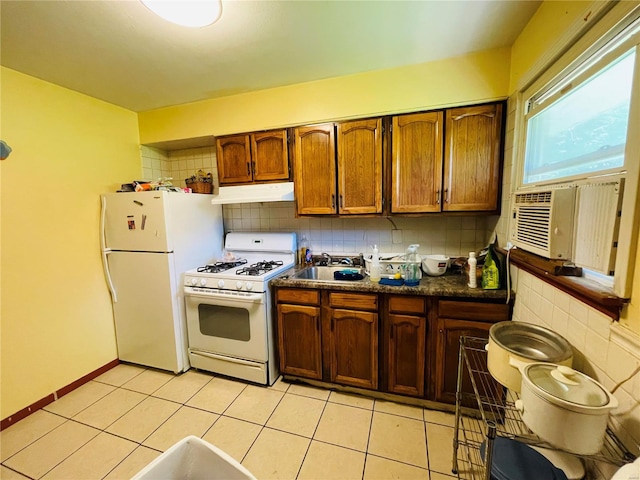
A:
(490, 273)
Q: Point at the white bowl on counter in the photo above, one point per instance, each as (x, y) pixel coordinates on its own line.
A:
(435, 265)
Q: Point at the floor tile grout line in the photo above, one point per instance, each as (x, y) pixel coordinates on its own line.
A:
(105, 428)
(263, 426)
(68, 456)
(16, 471)
(304, 457)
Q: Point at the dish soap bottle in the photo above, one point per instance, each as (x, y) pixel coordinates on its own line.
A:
(412, 273)
(374, 270)
(490, 273)
(305, 251)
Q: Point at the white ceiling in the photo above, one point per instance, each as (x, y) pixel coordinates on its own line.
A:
(120, 52)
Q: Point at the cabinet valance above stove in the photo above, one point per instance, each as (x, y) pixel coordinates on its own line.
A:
(255, 192)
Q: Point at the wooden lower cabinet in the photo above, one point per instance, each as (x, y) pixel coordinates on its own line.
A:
(447, 348)
(352, 335)
(353, 343)
(456, 319)
(299, 339)
(400, 344)
(300, 345)
(404, 333)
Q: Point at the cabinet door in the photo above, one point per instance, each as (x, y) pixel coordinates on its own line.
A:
(472, 158)
(354, 348)
(446, 361)
(234, 159)
(416, 168)
(360, 166)
(299, 340)
(314, 167)
(406, 361)
(270, 156)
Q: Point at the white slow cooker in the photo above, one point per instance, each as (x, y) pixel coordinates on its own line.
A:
(565, 407)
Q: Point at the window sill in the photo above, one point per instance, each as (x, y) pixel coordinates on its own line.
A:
(593, 294)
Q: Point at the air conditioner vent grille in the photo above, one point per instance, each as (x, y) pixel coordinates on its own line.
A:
(533, 226)
(534, 197)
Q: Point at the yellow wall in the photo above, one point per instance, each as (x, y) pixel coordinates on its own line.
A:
(543, 32)
(475, 78)
(56, 317)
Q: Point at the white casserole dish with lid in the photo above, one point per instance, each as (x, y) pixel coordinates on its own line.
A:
(565, 407)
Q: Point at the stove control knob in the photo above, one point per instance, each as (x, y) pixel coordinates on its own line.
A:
(239, 285)
(203, 282)
(249, 286)
(220, 283)
(194, 281)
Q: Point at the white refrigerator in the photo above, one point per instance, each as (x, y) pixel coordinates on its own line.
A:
(149, 239)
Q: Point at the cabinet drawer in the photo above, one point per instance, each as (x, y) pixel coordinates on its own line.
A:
(353, 301)
(404, 304)
(295, 295)
(484, 312)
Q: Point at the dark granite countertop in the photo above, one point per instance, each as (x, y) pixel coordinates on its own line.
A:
(448, 285)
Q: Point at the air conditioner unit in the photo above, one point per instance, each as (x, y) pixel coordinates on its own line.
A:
(542, 222)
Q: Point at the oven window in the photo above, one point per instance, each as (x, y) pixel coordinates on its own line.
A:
(224, 322)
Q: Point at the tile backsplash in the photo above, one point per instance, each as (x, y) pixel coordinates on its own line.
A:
(178, 164)
(453, 236)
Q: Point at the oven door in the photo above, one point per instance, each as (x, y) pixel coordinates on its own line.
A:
(227, 323)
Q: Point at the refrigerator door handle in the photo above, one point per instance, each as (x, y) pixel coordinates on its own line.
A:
(106, 251)
(107, 274)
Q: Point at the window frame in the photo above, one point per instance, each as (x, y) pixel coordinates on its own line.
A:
(573, 68)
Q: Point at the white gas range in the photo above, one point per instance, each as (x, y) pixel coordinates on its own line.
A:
(228, 306)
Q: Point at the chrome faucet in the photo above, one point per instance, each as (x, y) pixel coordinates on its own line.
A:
(326, 259)
(347, 261)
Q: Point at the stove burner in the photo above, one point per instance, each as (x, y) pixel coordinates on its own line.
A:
(259, 268)
(221, 266)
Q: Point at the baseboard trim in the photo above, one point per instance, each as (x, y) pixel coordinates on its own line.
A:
(52, 397)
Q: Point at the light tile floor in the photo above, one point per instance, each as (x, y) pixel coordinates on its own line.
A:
(116, 424)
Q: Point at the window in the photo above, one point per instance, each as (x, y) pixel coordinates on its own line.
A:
(584, 131)
(579, 122)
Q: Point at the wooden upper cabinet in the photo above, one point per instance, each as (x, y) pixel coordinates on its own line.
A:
(270, 156)
(314, 167)
(416, 166)
(253, 157)
(234, 159)
(360, 166)
(472, 158)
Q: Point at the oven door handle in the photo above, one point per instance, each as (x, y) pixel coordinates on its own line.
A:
(251, 298)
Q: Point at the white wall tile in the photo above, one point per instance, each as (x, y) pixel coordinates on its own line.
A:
(599, 322)
(595, 353)
(579, 311)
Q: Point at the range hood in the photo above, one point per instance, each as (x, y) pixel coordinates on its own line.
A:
(255, 192)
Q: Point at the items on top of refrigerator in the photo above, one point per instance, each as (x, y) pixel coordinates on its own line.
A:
(163, 183)
(201, 182)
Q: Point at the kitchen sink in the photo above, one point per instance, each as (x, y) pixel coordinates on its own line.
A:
(326, 274)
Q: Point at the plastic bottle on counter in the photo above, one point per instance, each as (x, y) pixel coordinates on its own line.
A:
(305, 251)
(490, 273)
(412, 273)
(473, 264)
(374, 271)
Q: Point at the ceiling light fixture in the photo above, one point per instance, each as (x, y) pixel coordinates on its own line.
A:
(188, 13)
